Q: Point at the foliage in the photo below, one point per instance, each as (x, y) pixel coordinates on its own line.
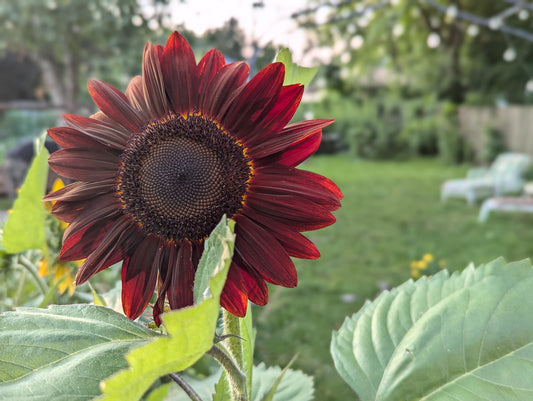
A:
(25, 227)
(390, 215)
(190, 331)
(494, 144)
(385, 125)
(394, 39)
(446, 337)
(63, 352)
(69, 40)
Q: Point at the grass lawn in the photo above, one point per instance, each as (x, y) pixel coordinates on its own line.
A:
(391, 215)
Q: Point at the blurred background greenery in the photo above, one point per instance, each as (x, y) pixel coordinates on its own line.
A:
(405, 80)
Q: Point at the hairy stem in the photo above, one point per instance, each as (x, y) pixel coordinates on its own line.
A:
(185, 386)
(236, 378)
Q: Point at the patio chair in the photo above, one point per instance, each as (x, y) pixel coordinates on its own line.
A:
(507, 204)
(504, 176)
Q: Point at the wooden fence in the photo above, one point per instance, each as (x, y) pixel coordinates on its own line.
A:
(514, 122)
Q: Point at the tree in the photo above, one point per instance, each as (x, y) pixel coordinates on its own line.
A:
(451, 47)
(68, 39)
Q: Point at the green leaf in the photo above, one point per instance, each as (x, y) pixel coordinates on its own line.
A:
(218, 249)
(25, 226)
(468, 336)
(270, 395)
(295, 74)
(293, 386)
(63, 352)
(190, 332)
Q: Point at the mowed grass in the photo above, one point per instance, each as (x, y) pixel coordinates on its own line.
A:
(391, 214)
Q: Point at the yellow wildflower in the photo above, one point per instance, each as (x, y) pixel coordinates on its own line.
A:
(428, 258)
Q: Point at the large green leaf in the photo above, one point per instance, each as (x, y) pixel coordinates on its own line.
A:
(295, 74)
(63, 352)
(468, 336)
(25, 226)
(190, 331)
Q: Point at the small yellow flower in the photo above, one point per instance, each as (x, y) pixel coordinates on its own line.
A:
(428, 258)
(415, 273)
(414, 264)
(43, 268)
(64, 273)
(422, 265)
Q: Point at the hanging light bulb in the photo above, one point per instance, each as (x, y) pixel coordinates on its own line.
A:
(433, 40)
(529, 86)
(510, 54)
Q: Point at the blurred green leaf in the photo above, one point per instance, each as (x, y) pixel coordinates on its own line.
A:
(190, 331)
(25, 226)
(290, 385)
(295, 74)
(63, 352)
(467, 336)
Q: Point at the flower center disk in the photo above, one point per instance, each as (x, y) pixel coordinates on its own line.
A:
(179, 175)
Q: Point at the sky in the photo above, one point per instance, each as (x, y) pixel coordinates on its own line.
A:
(269, 23)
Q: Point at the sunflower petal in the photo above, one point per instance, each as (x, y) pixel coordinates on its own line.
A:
(287, 138)
(84, 165)
(296, 244)
(69, 138)
(109, 133)
(139, 278)
(115, 105)
(79, 190)
(180, 74)
(222, 89)
(135, 94)
(280, 115)
(255, 101)
(256, 288)
(180, 292)
(233, 297)
(300, 213)
(279, 179)
(208, 66)
(299, 152)
(153, 85)
(119, 241)
(262, 251)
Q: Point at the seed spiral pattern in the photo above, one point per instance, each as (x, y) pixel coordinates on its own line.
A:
(179, 175)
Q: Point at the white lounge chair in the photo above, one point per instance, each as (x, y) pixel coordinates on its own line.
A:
(504, 176)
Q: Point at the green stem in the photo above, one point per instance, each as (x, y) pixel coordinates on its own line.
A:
(20, 288)
(236, 378)
(32, 269)
(232, 326)
(185, 386)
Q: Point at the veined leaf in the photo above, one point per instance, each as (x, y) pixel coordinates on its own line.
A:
(63, 352)
(293, 386)
(25, 225)
(468, 336)
(190, 331)
(295, 74)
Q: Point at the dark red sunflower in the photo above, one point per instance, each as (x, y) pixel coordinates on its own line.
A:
(157, 168)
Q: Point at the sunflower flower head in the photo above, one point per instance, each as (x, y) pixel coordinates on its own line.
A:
(158, 166)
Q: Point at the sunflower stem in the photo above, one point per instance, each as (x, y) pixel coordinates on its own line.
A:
(32, 269)
(236, 378)
(193, 395)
